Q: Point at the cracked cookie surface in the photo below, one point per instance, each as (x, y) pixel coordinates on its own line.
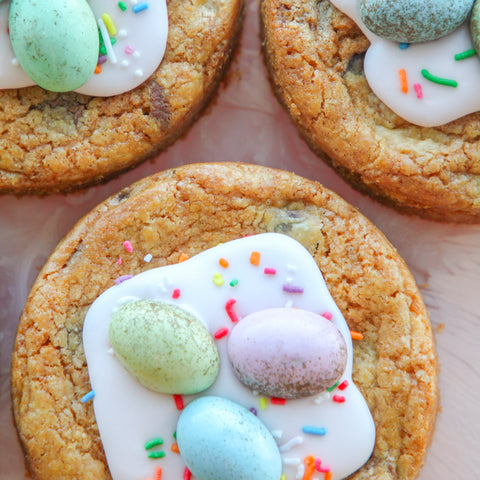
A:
(185, 211)
(314, 55)
(56, 142)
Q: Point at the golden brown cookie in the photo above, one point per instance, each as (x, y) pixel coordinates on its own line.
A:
(185, 211)
(56, 142)
(314, 54)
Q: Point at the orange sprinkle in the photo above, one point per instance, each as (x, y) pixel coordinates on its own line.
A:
(356, 335)
(328, 475)
(174, 448)
(403, 80)
(255, 258)
(223, 262)
(183, 257)
(310, 467)
(158, 473)
(98, 69)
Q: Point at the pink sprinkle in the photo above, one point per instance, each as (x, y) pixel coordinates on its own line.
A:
(292, 289)
(230, 311)
(327, 315)
(418, 90)
(176, 293)
(338, 398)
(119, 261)
(122, 279)
(343, 385)
(269, 271)
(324, 469)
(318, 465)
(178, 401)
(129, 50)
(128, 246)
(220, 333)
(187, 475)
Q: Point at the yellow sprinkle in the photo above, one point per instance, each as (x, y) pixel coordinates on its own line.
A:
(263, 403)
(217, 279)
(112, 29)
(283, 477)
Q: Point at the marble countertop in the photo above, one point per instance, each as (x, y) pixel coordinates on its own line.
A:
(245, 123)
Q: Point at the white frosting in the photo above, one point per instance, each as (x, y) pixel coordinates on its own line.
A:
(439, 104)
(128, 414)
(145, 32)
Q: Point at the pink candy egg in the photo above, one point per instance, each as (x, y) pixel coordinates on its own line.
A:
(287, 352)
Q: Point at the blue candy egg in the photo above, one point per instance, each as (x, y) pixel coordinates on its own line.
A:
(221, 440)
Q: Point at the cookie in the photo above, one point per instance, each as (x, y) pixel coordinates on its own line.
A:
(54, 141)
(396, 120)
(184, 212)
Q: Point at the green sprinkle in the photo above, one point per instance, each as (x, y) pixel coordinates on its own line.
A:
(234, 282)
(441, 81)
(465, 54)
(333, 387)
(122, 6)
(156, 454)
(175, 434)
(153, 443)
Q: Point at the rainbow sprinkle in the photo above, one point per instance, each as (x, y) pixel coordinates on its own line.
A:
(230, 311)
(439, 80)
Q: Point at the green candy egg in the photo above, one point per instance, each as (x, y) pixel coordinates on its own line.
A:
(165, 347)
(56, 42)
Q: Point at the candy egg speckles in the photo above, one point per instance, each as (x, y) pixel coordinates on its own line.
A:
(55, 41)
(287, 352)
(413, 20)
(166, 348)
(221, 440)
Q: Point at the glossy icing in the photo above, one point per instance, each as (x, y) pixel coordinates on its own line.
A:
(439, 104)
(141, 40)
(128, 414)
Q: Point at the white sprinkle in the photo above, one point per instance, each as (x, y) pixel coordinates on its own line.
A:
(110, 351)
(124, 63)
(136, 54)
(277, 433)
(106, 40)
(291, 461)
(133, 2)
(322, 397)
(15, 62)
(122, 33)
(128, 298)
(300, 471)
(138, 73)
(147, 258)
(293, 442)
(289, 304)
(291, 268)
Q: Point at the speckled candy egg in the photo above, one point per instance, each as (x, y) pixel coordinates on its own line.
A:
(220, 440)
(287, 352)
(165, 347)
(56, 42)
(413, 21)
(475, 27)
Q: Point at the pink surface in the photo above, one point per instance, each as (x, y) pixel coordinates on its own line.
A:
(245, 123)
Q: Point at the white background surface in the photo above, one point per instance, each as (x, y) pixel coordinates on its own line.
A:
(245, 123)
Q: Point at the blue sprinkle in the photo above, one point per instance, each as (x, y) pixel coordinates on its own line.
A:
(140, 7)
(88, 396)
(314, 430)
(403, 46)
